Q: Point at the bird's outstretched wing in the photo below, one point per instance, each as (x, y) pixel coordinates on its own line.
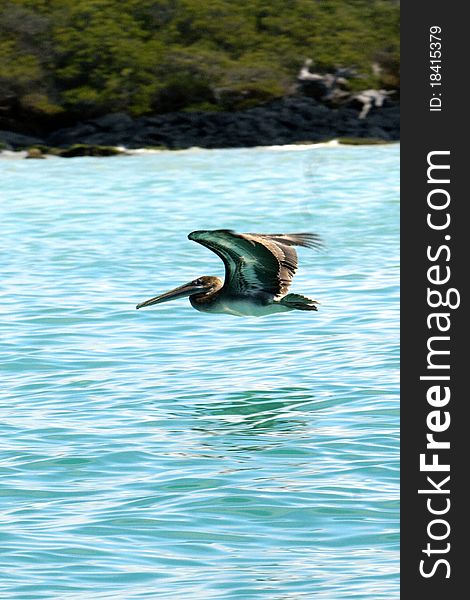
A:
(256, 263)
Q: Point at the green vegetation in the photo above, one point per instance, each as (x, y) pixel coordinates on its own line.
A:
(345, 141)
(88, 57)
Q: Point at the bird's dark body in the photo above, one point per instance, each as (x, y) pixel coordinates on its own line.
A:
(258, 271)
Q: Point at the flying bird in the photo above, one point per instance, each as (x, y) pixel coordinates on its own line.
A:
(259, 269)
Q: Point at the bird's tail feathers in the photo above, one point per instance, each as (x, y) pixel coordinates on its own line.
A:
(299, 302)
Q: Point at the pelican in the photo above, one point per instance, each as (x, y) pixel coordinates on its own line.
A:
(259, 269)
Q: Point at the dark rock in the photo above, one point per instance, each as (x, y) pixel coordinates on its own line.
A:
(86, 150)
(388, 119)
(18, 141)
(101, 138)
(113, 122)
(70, 135)
(287, 120)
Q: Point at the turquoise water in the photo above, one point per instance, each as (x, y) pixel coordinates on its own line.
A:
(170, 454)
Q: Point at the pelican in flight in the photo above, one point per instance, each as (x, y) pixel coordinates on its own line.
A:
(259, 269)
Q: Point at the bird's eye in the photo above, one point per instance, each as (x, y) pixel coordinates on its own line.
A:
(197, 282)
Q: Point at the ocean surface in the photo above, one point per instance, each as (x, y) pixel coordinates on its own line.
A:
(169, 454)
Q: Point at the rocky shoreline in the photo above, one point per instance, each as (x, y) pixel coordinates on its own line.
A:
(288, 120)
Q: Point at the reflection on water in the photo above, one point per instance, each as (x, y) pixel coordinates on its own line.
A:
(173, 454)
(253, 411)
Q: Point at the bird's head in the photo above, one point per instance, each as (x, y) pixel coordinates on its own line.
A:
(200, 286)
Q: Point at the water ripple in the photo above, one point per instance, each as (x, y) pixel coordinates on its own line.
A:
(170, 454)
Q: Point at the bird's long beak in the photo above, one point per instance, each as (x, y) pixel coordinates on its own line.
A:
(180, 292)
